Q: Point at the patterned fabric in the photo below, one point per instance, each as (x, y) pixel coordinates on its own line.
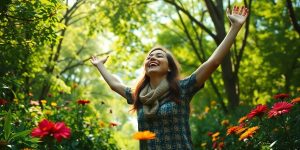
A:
(171, 123)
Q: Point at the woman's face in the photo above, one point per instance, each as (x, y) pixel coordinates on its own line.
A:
(156, 62)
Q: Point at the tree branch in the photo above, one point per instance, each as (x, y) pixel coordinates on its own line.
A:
(241, 50)
(192, 18)
(201, 59)
(199, 37)
(81, 62)
(189, 37)
(293, 17)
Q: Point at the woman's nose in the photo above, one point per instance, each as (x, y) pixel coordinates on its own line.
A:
(152, 58)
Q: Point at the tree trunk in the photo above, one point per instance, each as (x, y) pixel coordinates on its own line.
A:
(230, 80)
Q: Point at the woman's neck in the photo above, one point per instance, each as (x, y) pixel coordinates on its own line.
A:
(155, 80)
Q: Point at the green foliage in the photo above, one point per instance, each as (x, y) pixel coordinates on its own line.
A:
(272, 26)
(33, 32)
(12, 138)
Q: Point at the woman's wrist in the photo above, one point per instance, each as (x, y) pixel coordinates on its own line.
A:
(236, 26)
(99, 65)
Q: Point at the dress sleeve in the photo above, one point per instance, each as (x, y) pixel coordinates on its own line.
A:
(128, 95)
(189, 87)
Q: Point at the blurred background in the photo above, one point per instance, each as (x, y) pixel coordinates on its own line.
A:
(46, 45)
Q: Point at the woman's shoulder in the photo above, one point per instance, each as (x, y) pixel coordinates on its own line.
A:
(187, 81)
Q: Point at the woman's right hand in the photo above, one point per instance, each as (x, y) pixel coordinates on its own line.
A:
(95, 61)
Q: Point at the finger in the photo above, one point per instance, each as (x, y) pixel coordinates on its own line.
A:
(242, 10)
(228, 11)
(233, 10)
(246, 12)
(236, 10)
(106, 58)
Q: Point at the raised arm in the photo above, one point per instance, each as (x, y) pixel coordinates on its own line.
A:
(112, 81)
(237, 17)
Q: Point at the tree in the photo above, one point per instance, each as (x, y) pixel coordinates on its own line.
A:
(230, 68)
(26, 27)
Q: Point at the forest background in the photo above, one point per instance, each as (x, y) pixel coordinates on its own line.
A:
(46, 46)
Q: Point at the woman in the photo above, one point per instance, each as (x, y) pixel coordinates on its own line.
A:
(161, 99)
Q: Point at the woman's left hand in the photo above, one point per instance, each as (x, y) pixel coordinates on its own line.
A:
(237, 16)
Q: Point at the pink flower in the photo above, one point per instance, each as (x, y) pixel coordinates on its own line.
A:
(280, 108)
(259, 111)
(35, 103)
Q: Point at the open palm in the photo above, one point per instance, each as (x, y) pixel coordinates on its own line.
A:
(238, 15)
(95, 61)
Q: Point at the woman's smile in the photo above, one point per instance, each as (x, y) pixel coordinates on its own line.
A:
(156, 62)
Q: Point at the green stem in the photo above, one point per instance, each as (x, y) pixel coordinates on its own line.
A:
(267, 129)
(282, 123)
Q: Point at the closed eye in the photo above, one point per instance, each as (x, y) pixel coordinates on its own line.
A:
(158, 55)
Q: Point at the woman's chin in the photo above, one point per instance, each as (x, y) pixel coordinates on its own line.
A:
(152, 72)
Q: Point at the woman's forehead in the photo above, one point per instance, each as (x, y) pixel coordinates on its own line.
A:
(157, 51)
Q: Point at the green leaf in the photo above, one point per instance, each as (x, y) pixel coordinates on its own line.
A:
(34, 140)
(19, 135)
(7, 125)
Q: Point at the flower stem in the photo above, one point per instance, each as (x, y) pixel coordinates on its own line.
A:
(282, 123)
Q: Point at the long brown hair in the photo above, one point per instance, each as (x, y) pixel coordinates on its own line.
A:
(172, 78)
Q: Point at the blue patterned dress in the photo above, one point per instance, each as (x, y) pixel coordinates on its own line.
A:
(171, 122)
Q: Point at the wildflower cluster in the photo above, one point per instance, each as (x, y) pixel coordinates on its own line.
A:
(55, 122)
(274, 125)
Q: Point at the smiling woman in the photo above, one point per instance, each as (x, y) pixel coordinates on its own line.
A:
(161, 99)
(157, 62)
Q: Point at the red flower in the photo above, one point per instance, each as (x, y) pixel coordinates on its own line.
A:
(210, 133)
(215, 144)
(258, 111)
(47, 128)
(221, 145)
(280, 108)
(281, 96)
(49, 95)
(83, 101)
(3, 102)
(43, 129)
(61, 131)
